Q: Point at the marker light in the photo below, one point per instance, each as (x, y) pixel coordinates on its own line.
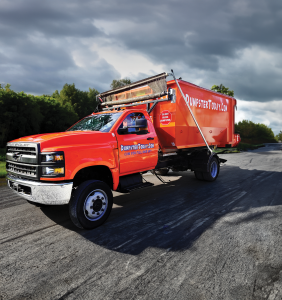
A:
(52, 171)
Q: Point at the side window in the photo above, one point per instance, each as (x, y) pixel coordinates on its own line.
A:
(134, 123)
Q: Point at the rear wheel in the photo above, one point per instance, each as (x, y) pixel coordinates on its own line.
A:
(162, 171)
(199, 175)
(91, 204)
(213, 168)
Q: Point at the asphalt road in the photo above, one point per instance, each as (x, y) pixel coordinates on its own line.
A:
(186, 239)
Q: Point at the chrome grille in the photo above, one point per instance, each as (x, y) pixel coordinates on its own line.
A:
(22, 150)
(20, 169)
(22, 159)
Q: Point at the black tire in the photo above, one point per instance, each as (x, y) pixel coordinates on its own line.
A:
(213, 168)
(162, 171)
(91, 204)
(199, 175)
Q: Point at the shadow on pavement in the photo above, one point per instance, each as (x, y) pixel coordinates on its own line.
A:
(174, 215)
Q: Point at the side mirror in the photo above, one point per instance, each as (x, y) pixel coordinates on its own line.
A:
(141, 123)
(123, 130)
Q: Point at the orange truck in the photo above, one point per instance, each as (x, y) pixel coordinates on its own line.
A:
(150, 125)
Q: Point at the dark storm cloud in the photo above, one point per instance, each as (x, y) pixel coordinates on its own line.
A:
(36, 45)
(212, 41)
(199, 35)
(53, 18)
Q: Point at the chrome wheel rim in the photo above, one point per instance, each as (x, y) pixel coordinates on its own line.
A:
(95, 205)
(214, 169)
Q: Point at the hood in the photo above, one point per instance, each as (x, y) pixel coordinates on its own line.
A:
(58, 140)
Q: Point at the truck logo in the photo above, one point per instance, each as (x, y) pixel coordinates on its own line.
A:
(19, 145)
(208, 104)
(17, 156)
(136, 147)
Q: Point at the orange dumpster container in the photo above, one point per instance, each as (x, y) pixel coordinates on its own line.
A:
(213, 111)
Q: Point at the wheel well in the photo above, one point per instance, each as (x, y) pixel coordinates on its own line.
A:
(101, 173)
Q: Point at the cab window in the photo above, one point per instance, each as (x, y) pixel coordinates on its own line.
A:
(134, 123)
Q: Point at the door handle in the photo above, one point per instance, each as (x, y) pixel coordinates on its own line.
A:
(150, 138)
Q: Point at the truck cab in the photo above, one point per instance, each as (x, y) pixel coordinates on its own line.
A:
(101, 149)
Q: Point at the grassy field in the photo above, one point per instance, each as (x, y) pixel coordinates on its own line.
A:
(3, 172)
(239, 148)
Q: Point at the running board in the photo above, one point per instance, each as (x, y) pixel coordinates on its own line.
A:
(137, 186)
(132, 182)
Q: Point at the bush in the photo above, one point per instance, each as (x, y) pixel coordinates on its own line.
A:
(23, 115)
(254, 133)
(2, 154)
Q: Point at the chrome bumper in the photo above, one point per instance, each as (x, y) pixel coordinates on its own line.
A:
(41, 192)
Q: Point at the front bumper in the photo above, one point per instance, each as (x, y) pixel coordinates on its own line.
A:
(41, 192)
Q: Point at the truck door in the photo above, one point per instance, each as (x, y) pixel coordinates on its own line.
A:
(137, 144)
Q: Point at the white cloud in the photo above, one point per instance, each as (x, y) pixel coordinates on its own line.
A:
(127, 62)
(268, 113)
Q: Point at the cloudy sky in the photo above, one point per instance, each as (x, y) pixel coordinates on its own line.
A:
(45, 44)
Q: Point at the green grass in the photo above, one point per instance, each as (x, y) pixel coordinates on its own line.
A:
(238, 149)
(3, 172)
(226, 150)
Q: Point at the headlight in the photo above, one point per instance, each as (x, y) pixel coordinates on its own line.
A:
(52, 157)
(51, 171)
(53, 164)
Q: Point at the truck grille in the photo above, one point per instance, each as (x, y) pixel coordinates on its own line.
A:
(22, 159)
(22, 150)
(21, 169)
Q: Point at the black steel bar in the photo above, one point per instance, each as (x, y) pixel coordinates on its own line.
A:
(153, 106)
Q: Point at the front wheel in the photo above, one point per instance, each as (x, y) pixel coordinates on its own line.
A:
(91, 204)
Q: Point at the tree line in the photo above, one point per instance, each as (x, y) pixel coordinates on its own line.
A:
(22, 114)
(250, 132)
(255, 133)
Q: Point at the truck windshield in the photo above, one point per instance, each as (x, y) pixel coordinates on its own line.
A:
(100, 122)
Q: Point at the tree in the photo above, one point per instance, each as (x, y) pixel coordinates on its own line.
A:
(19, 115)
(92, 94)
(222, 89)
(254, 133)
(22, 114)
(82, 103)
(56, 117)
(120, 83)
(279, 136)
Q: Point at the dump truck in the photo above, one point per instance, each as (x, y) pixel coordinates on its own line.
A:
(149, 125)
